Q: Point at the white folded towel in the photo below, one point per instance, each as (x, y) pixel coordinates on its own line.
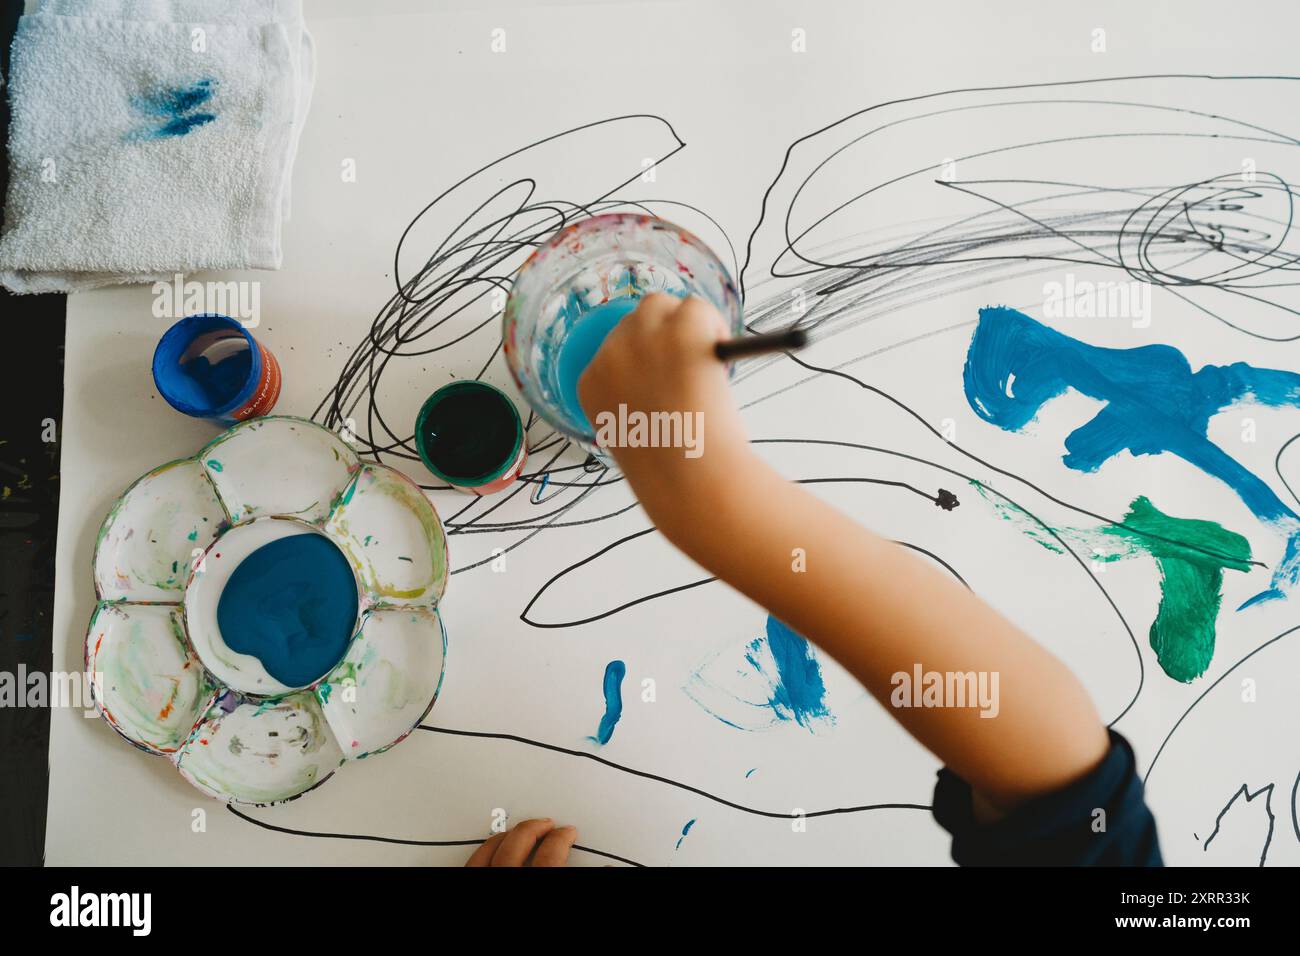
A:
(253, 13)
(151, 137)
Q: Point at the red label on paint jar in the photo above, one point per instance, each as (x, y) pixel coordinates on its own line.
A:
(507, 478)
(267, 392)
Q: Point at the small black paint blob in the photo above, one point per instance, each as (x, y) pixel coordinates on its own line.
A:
(946, 500)
(469, 432)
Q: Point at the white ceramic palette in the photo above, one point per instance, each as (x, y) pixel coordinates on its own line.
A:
(162, 673)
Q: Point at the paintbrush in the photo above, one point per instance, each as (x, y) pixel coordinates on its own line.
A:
(747, 345)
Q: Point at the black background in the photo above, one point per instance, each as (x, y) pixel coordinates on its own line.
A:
(803, 910)
(31, 390)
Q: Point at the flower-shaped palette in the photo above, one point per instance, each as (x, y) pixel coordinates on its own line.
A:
(171, 650)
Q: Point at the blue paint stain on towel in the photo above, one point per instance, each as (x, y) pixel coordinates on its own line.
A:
(182, 125)
(1154, 403)
(615, 671)
(172, 110)
(685, 830)
(175, 101)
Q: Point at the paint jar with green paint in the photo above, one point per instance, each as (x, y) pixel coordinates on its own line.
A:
(469, 434)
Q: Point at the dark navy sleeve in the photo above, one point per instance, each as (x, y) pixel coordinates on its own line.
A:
(1062, 828)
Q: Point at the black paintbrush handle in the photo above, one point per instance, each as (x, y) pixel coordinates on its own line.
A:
(748, 345)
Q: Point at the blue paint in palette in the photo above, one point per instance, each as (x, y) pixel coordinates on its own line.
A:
(615, 671)
(581, 343)
(292, 604)
(1154, 403)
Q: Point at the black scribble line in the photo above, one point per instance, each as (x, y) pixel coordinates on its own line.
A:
(1151, 232)
(934, 557)
(1004, 472)
(1277, 467)
(471, 262)
(940, 498)
(1042, 525)
(944, 499)
(946, 251)
(655, 595)
(970, 323)
(1295, 811)
(526, 538)
(646, 775)
(1160, 218)
(401, 841)
(499, 501)
(957, 250)
(478, 258)
(622, 768)
(1205, 693)
(1244, 791)
(469, 254)
(523, 615)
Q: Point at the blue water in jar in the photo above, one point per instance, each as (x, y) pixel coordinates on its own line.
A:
(580, 345)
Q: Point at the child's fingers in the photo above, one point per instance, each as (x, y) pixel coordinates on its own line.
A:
(554, 849)
(519, 842)
(702, 314)
(656, 307)
(483, 855)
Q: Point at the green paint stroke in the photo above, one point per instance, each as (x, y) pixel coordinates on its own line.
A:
(1191, 555)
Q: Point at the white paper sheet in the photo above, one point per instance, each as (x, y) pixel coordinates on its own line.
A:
(415, 100)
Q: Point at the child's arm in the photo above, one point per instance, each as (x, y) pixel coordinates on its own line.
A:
(872, 605)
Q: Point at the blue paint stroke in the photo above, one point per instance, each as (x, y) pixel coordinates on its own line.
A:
(750, 772)
(615, 671)
(175, 108)
(799, 691)
(1155, 403)
(685, 830)
(774, 679)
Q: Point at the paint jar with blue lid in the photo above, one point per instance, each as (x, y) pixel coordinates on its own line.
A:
(210, 366)
(469, 434)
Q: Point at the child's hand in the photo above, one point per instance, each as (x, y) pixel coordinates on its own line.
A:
(660, 359)
(547, 845)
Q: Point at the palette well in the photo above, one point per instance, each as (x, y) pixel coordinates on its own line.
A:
(268, 611)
